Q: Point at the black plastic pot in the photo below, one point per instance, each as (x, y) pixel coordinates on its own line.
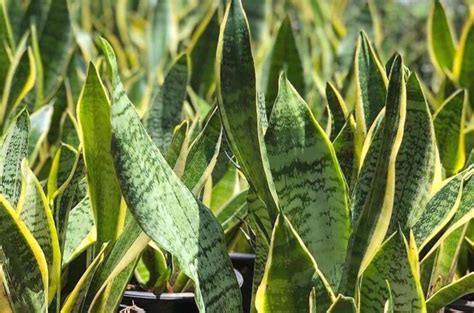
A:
(164, 303)
(465, 304)
(244, 263)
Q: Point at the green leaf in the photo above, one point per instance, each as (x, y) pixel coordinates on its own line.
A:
(463, 63)
(178, 147)
(290, 273)
(80, 231)
(439, 211)
(40, 122)
(371, 85)
(159, 33)
(14, 149)
(449, 126)
(93, 114)
(393, 262)
(166, 106)
(166, 210)
(450, 293)
(36, 213)
(440, 39)
(74, 301)
(5, 42)
(231, 214)
(237, 100)
(337, 109)
(284, 57)
(202, 155)
(374, 191)
(23, 263)
(309, 181)
(415, 167)
(56, 46)
(343, 305)
(203, 41)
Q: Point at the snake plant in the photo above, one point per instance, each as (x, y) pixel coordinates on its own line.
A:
(148, 139)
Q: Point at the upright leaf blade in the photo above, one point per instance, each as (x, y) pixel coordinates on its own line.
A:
(449, 126)
(440, 39)
(463, 63)
(166, 210)
(93, 113)
(308, 180)
(285, 57)
(451, 292)
(415, 160)
(238, 102)
(13, 150)
(371, 85)
(374, 192)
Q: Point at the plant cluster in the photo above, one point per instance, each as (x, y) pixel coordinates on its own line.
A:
(148, 139)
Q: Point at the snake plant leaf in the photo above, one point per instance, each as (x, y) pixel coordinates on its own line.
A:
(343, 305)
(204, 40)
(440, 39)
(371, 85)
(374, 191)
(439, 211)
(449, 125)
(416, 159)
(166, 210)
(450, 293)
(166, 107)
(80, 231)
(463, 68)
(237, 100)
(93, 114)
(402, 276)
(68, 196)
(308, 180)
(202, 155)
(14, 148)
(284, 57)
(69, 131)
(179, 146)
(227, 186)
(290, 272)
(23, 263)
(36, 213)
(40, 122)
(75, 300)
(337, 109)
(56, 46)
(389, 304)
(344, 146)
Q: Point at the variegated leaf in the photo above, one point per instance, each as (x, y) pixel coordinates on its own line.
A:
(165, 209)
(337, 109)
(237, 100)
(415, 160)
(440, 39)
(14, 149)
(394, 262)
(35, 212)
(374, 191)
(290, 273)
(23, 263)
(309, 181)
(463, 68)
(450, 293)
(40, 122)
(343, 305)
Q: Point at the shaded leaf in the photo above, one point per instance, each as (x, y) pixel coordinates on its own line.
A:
(451, 292)
(440, 38)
